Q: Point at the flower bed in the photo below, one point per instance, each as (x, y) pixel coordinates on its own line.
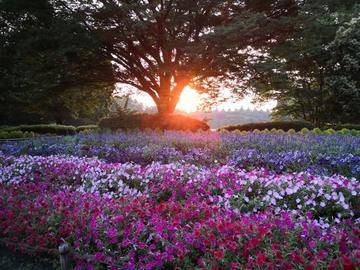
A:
(316, 154)
(172, 215)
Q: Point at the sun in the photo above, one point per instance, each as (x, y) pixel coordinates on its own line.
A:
(189, 100)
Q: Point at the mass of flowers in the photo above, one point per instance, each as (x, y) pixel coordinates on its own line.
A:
(145, 200)
(317, 154)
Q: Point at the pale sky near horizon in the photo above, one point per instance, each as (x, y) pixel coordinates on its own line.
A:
(190, 100)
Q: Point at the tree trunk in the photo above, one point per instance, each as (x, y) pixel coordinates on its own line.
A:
(168, 100)
(165, 106)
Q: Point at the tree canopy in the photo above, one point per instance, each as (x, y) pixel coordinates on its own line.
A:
(161, 46)
(51, 67)
(314, 74)
(61, 59)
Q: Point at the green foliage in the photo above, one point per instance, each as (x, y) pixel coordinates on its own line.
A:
(314, 74)
(127, 120)
(347, 126)
(344, 131)
(329, 131)
(291, 131)
(304, 131)
(274, 126)
(168, 45)
(14, 134)
(51, 67)
(354, 132)
(317, 131)
(87, 128)
(43, 129)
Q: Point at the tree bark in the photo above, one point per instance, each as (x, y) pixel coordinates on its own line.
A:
(166, 105)
(169, 98)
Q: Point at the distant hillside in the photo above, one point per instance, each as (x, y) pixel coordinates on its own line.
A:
(217, 119)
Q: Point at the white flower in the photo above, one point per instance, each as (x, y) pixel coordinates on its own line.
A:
(273, 201)
(322, 204)
(341, 197)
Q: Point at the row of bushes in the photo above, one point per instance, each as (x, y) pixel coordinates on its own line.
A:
(128, 121)
(24, 131)
(329, 131)
(286, 126)
(346, 126)
(120, 121)
(279, 125)
(15, 134)
(142, 121)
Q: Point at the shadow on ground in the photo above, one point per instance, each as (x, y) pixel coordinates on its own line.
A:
(17, 261)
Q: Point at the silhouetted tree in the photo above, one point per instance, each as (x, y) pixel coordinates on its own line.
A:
(161, 46)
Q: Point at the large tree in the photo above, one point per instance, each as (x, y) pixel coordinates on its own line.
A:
(51, 67)
(314, 74)
(161, 46)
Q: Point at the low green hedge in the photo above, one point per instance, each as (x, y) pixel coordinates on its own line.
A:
(329, 131)
(23, 131)
(278, 125)
(15, 134)
(347, 126)
(142, 121)
(87, 128)
(48, 129)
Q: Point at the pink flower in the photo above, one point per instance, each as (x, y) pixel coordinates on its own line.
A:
(261, 257)
(312, 244)
(119, 218)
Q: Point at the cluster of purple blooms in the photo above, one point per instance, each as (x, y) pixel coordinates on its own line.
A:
(150, 200)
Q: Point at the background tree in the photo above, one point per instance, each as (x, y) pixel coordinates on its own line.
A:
(343, 78)
(312, 73)
(161, 46)
(51, 67)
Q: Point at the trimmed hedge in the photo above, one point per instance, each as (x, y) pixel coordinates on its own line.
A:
(87, 128)
(26, 131)
(144, 121)
(294, 126)
(347, 126)
(15, 134)
(44, 129)
(303, 131)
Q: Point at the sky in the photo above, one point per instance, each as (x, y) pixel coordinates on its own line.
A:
(190, 101)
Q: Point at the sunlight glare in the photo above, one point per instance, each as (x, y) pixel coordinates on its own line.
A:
(189, 100)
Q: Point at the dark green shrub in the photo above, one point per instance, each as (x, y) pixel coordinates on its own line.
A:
(15, 134)
(344, 131)
(347, 126)
(283, 125)
(291, 131)
(87, 128)
(304, 131)
(45, 129)
(316, 131)
(330, 131)
(142, 121)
